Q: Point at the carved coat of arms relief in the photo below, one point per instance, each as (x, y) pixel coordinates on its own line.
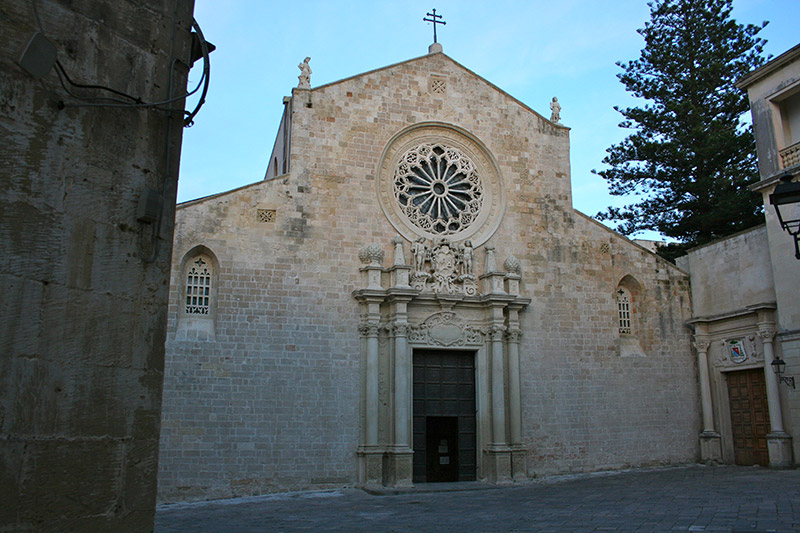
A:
(444, 268)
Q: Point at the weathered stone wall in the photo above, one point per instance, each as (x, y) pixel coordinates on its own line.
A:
(273, 403)
(83, 317)
(731, 273)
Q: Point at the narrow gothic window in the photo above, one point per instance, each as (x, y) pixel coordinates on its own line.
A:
(198, 287)
(624, 311)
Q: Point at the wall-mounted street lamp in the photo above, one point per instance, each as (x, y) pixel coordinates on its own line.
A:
(788, 192)
(778, 366)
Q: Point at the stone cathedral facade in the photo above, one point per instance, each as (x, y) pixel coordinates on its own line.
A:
(410, 297)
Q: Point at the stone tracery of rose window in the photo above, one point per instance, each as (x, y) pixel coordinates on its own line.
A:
(438, 189)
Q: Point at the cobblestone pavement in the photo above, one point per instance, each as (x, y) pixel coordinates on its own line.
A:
(692, 498)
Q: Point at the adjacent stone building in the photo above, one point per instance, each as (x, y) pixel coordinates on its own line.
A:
(83, 280)
(409, 296)
(745, 292)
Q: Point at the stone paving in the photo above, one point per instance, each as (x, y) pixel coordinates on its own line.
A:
(691, 498)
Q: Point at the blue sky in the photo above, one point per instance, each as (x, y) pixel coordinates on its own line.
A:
(533, 50)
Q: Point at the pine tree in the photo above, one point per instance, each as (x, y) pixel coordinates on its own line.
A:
(690, 157)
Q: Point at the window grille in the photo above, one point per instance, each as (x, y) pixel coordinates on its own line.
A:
(624, 311)
(198, 288)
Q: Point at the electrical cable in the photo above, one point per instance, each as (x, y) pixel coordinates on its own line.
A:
(188, 121)
(167, 150)
(60, 72)
(36, 16)
(95, 101)
(143, 104)
(101, 87)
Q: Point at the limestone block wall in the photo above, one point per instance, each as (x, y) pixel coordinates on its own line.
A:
(83, 317)
(742, 261)
(272, 403)
(588, 404)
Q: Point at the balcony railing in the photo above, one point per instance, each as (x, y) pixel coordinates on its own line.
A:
(790, 155)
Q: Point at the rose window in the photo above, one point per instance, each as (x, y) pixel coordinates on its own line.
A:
(438, 188)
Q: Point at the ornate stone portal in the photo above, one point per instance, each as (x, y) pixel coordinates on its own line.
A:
(727, 343)
(437, 302)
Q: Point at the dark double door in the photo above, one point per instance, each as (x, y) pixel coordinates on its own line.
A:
(749, 416)
(444, 416)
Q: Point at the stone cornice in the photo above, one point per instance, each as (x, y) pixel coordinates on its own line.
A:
(765, 70)
(749, 310)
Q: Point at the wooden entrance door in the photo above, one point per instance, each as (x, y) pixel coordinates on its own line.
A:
(444, 416)
(749, 416)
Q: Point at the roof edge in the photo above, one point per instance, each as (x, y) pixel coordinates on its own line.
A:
(484, 80)
(630, 241)
(202, 199)
(768, 68)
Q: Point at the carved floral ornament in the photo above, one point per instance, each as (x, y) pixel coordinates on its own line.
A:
(371, 254)
(445, 329)
(436, 180)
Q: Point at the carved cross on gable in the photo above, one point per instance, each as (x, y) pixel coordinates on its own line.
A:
(433, 18)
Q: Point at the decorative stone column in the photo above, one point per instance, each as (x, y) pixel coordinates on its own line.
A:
(779, 443)
(370, 452)
(710, 442)
(399, 456)
(518, 450)
(498, 450)
(513, 336)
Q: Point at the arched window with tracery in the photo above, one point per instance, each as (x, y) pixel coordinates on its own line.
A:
(198, 287)
(628, 296)
(624, 311)
(198, 293)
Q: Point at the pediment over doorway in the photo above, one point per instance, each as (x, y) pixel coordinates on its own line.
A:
(445, 329)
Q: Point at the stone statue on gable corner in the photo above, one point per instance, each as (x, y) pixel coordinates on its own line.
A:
(555, 107)
(305, 74)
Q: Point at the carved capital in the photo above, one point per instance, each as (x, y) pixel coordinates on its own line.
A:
(497, 332)
(400, 330)
(368, 329)
(702, 344)
(514, 335)
(766, 334)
